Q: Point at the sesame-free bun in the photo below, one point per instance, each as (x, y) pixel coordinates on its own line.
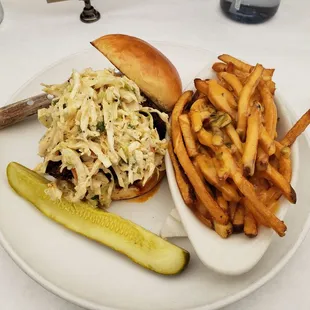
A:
(155, 75)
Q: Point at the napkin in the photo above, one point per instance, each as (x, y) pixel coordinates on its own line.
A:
(173, 226)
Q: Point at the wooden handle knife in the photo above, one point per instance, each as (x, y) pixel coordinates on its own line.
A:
(18, 111)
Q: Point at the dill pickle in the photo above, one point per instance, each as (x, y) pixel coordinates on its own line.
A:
(140, 245)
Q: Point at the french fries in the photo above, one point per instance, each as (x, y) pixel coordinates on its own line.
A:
(247, 189)
(220, 100)
(297, 129)
(271, 114)
(233, 81)
(219, 67)
(238, 221)
(238, 63)
(262, 160)
(199, 111)
(185, 187)
(266, 142)
(232, 206)
(188, 135)
(199, 172)
(281, 183)
(179, 149)
(274, 162)
(206, 138)
(221, 201)
(198, 95)
(221, 170)
(258, 217)
(271, 85)
(250, 225)
(250, 148)
(230, 170)
(244, 99)
(242, 76)
(234, 137)
(209, 172)
(244, 67)
(202, 86)
(177, 111)
(223, 230)
(285, 168)
(223, 83)
(203, 215)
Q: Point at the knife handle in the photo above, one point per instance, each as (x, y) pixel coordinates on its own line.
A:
(18, 111)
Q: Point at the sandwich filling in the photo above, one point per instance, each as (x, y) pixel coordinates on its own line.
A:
(100, 135)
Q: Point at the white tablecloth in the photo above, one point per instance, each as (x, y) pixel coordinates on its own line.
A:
(35, 34)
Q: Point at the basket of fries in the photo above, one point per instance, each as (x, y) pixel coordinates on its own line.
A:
(231, 152)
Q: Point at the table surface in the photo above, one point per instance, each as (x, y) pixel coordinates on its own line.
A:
(35, 34)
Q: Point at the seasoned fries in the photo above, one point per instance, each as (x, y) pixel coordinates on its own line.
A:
(238, 221)
(281, 183)
(244, 67)
(262, 160)
(270, 108)
(203, 215)
(244, 99)
(185, 187)
(223, 230)
(188, 135)
(250, 148)
(221, 170)
(179, 149)
(272, 86)
(297, 129)
(232, 209)
(238, 63)
(202, 86)
(266, 142)
(230, 170)
(250, 225)
(247, 189)
(199, 112)
(219, 67)
(221, 101)
(234, 137)
(232, 81)
(209, 172)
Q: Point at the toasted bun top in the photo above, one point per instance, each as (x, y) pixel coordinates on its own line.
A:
(155, 75)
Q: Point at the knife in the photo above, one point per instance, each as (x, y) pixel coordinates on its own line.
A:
(18, 111)
(52, 1)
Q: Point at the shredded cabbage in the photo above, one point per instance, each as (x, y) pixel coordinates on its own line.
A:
(98, 129)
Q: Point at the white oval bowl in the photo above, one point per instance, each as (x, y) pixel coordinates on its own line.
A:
(237, 254)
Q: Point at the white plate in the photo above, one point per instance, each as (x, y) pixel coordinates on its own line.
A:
(237, 254)
(95, 277)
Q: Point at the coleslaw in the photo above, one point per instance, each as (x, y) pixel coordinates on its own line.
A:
(99, 131)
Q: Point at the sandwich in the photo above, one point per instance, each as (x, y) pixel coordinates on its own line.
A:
(106, 134)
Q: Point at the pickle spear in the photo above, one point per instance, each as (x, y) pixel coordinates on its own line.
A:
(140, 245)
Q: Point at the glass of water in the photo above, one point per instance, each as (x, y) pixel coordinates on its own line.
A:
(1, 13)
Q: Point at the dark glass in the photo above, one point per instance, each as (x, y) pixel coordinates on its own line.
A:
(250, 11)
(89, 14)
(1, 13)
